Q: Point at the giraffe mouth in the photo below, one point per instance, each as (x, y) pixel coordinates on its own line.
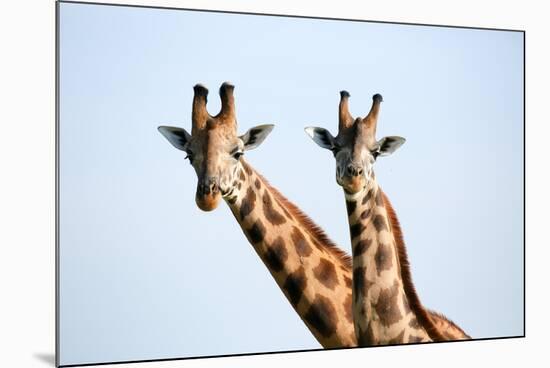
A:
(226, 193)
(353, 184)
(208, 202)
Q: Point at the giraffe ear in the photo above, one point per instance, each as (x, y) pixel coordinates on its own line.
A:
(177, 136)
(255, 136)
(388, 145)
(322, 137)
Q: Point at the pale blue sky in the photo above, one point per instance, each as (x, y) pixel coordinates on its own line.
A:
(144, 274)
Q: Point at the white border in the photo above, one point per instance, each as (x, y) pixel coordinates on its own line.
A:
(27, 180)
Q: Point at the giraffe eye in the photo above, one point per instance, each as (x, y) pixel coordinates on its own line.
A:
(237, 155)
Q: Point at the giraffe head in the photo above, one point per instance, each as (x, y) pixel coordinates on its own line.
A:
(213, 148)
(355, 148)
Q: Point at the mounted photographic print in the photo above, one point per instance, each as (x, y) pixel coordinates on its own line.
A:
(234, 183)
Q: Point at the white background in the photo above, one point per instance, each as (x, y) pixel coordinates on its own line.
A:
(27, 180)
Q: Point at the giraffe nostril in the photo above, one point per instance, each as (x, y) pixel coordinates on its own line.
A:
(349, 170)
(359, 171)
(209, 186)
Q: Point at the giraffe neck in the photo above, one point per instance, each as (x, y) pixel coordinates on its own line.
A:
(312, 273)
(386, 308)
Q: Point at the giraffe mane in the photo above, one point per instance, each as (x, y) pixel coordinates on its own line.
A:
(310, 226)
(410, 291)
(450, 322)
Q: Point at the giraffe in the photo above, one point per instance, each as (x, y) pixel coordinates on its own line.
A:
(313, 273)
(386, 307)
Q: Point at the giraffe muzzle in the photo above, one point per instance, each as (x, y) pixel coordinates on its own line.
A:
(208, 195)
(353, 181)
(209, 188)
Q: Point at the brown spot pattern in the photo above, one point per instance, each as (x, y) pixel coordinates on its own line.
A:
(302, 247)
(359, 275)
(366, 338)
(348, 308)
(361, 247)
(287, 214)
(315, 233)
(386, 306)
(356, 229)
(379, 223)
(271, 213)
(276, 255)
(257, 232)
(347, 281)
(383, 258)
(247, 204)
(321, 315)
(295, 285)
(378, 199)
(326, 274)
(257, 183)
(413, 339)
(247, 168)
(367, 197)
(413, 323)
(365, 214)
(397, 339)
(350, 207)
